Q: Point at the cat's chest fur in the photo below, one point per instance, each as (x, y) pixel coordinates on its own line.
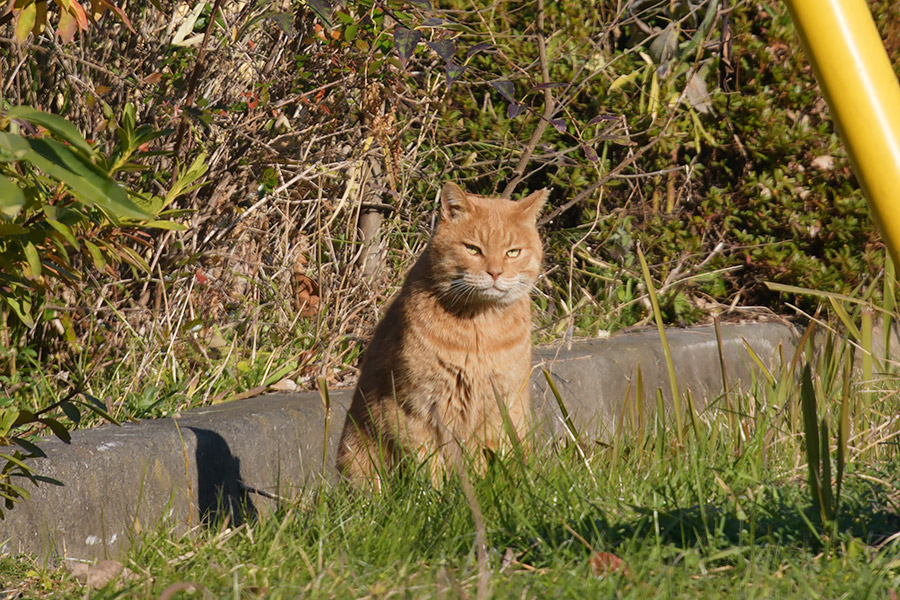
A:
(461, 362)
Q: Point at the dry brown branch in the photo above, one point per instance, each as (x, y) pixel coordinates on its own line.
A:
(549, 108)
(194, 80)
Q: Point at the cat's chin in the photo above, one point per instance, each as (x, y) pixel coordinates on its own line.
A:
(480, 297)
(493, 295)
(496, 296)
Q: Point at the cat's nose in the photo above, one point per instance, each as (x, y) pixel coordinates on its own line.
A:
(495, 273)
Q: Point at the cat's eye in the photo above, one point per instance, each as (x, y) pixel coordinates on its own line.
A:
(513, 252)
(473, 249)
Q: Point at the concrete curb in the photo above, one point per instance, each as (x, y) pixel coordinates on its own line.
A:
(120, 481)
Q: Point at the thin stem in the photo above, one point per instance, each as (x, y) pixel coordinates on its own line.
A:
(549, 108)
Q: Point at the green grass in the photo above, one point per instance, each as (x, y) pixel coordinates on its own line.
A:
(720, 507)
(725, 514)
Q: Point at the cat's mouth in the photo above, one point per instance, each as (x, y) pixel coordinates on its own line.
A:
(498, 292)
(470, 291)
(494, 292)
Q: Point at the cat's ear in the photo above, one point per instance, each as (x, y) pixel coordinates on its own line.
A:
(533, 203)
(454, 202)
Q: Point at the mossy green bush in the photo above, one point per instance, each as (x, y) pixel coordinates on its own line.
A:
(726, 174)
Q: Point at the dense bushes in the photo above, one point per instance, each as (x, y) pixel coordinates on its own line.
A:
(728, 173)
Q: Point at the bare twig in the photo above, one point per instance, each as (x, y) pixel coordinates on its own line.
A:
(192, 84)
(549, 108)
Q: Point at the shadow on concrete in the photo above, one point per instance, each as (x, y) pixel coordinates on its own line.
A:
(220, 494)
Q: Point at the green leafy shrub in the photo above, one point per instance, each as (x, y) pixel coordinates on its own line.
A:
(17, 426)
(61, 204)
(62, 214)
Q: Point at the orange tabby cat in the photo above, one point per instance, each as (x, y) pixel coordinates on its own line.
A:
(454, 343)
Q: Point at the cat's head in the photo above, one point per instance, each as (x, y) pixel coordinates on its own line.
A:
(485, 250)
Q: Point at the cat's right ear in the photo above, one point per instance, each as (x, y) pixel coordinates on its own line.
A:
(454, 202)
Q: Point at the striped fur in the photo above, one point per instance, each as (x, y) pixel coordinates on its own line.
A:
(456, 336)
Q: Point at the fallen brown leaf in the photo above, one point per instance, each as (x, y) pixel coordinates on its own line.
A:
(100, 574)
(605, 563)
(306, 295)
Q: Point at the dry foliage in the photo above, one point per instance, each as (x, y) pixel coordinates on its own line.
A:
(326, 145)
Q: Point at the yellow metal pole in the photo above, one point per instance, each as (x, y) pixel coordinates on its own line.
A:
(855, 75)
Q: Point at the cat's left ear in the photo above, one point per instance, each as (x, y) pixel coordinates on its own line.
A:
(534, 202)
(454, 201)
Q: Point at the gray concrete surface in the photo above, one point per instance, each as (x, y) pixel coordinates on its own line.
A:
(118, 482)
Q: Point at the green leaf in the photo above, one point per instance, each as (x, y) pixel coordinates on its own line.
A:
(22, 313)
(58, 429)
(12, 493)
(34, 260)
(29, 447)
(12, 229)
(322, 8)
(96, 255)
(163, 224)
(129, 117)
(95, 401)
(278, 375)
(24, 417)
(14, 490)
(42, 478)
(16, 460)
(133, 258)
(86, 182)
(97, 407)
(14, 145)
(8, 418)
(506, 88)
(197, 169)
(25, 21)
(12, 199)
(63, 231)
(71, 411)
(58, 125)
(406, 40)
(624, 79)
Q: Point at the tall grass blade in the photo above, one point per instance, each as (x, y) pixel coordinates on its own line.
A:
(508, 424)
(845, 319)
(807, 335)
(868, 362)
(811, 439)
(793, 289)
(843, 429)
(759, 363)
(827, 506)
(458, 465)
(692, 413)
(720, 347)
(660, 424)
(729, 403)
(667, 353)
(889, 299)
(326, 401)
(639, 397)
(567, 420)
(620, 425)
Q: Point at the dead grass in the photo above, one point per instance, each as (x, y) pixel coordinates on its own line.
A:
(322, 180)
